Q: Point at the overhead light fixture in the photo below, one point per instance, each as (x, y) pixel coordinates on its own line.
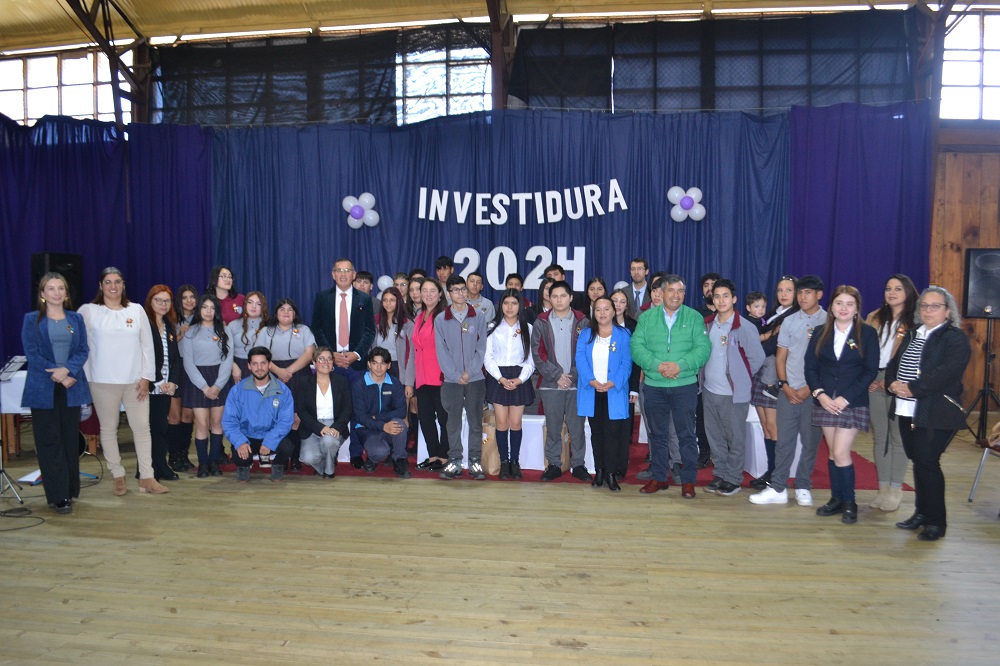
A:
(531, 18)
(250, 33)
(791, 9)
(379, 26)
(668, 12)
(65, 47)
(162, 40)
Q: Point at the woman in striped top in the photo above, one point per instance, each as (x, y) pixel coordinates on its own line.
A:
(926, 379)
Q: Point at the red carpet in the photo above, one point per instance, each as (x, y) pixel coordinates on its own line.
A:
(864, 471)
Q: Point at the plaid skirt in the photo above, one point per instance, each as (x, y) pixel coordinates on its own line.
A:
(193, 397)
(852, 417)
(523, 395)
(757, 397)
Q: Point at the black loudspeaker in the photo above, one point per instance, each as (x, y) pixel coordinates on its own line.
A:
(70, 266)
(982, 283)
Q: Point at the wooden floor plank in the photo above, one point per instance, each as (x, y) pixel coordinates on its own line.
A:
(420, 571)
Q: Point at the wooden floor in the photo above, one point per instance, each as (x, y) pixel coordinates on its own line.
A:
(420, 571)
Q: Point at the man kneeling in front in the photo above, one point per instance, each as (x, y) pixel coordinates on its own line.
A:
(258, 417)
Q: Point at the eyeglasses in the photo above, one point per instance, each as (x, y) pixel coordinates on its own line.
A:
(113, 282)
(458, 290)
(225, 276)
(162, 301)
(933, 307)
(343, 270)
(325, 360)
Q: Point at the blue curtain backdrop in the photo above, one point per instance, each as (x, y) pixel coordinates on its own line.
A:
(278, 220)
(78, 187)
(861, 196)
(843, 192)
(62, 189)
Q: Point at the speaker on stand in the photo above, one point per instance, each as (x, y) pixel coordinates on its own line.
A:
(70, 266)
(982, 301)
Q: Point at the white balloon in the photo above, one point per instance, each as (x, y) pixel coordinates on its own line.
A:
(354, 224)
(371, 218)
(695, 194)
(348, 203)
(367, 199)
(678, 214)
(697, 212)
(674, 194)
(384, 283)
(621, 284)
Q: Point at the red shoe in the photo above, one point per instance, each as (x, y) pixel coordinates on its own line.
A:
(654, 487)
(687, 491)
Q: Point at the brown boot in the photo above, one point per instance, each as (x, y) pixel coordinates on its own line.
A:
(120, 487)
(892, 500)
(882, 496)
(152, 486)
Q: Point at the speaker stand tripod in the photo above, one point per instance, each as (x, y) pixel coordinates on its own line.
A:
(6, 482)
(983, 400)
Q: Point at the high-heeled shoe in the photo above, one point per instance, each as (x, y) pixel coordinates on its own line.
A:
(931, 533)
(166, 474)
(612, 483)
(914, 522)
(598, 479)
(152, 486)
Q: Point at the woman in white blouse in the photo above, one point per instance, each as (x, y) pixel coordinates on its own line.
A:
(120, 368)
(509, 366)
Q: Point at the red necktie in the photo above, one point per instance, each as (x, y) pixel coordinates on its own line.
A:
(343, 333)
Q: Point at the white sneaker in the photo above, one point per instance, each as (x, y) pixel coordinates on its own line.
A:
(770, 496)
(803, 497)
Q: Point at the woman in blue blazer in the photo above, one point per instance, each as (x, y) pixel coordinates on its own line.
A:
(55, 343)
(604, 364)
(841, 363)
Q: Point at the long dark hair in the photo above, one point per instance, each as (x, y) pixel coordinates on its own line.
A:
(272, 323)
(522, 320)
(855, 326)
(441, 304)
(179, 299)
(883, 316)
(218, 325)
(625, 316)
(398, 316)
(245, 317)
(595, 327)
(540, 303)
(411, 307)
(213, 280)
(599, 280)
(169, 319)
(67, 305)
(110, 270)
(795, 301)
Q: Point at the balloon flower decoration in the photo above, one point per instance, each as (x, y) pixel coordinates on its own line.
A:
(360, 211)
(686, 204)
(383, 283)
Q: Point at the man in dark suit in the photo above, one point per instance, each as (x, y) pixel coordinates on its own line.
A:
(344, 320)
(637, 293)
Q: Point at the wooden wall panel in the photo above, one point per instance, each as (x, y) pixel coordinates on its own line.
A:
(966, 215)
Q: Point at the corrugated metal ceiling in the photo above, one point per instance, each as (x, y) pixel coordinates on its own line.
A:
(39, 23)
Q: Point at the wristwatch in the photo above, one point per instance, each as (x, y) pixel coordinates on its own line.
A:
(818, 391)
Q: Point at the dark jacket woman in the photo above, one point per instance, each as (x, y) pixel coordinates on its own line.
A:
(305, 405)
(938, 389)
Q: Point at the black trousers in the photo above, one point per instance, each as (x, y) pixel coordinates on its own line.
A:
(159, 408)
(57, 445)
(924, 447)
(281, 454)
(430, 412)
(609, 438)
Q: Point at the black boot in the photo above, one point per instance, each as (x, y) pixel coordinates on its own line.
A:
(598, 478)
(914, 522)
(612, 483)
(850, 513)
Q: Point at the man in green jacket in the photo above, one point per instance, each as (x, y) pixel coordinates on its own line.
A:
(670, 344)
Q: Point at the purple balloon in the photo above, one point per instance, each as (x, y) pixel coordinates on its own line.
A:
(686, 203)
(358, 212)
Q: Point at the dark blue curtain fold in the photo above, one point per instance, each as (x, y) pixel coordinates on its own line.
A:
(62, 189)
(861, 195)
(278, 220)
(170, 224)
